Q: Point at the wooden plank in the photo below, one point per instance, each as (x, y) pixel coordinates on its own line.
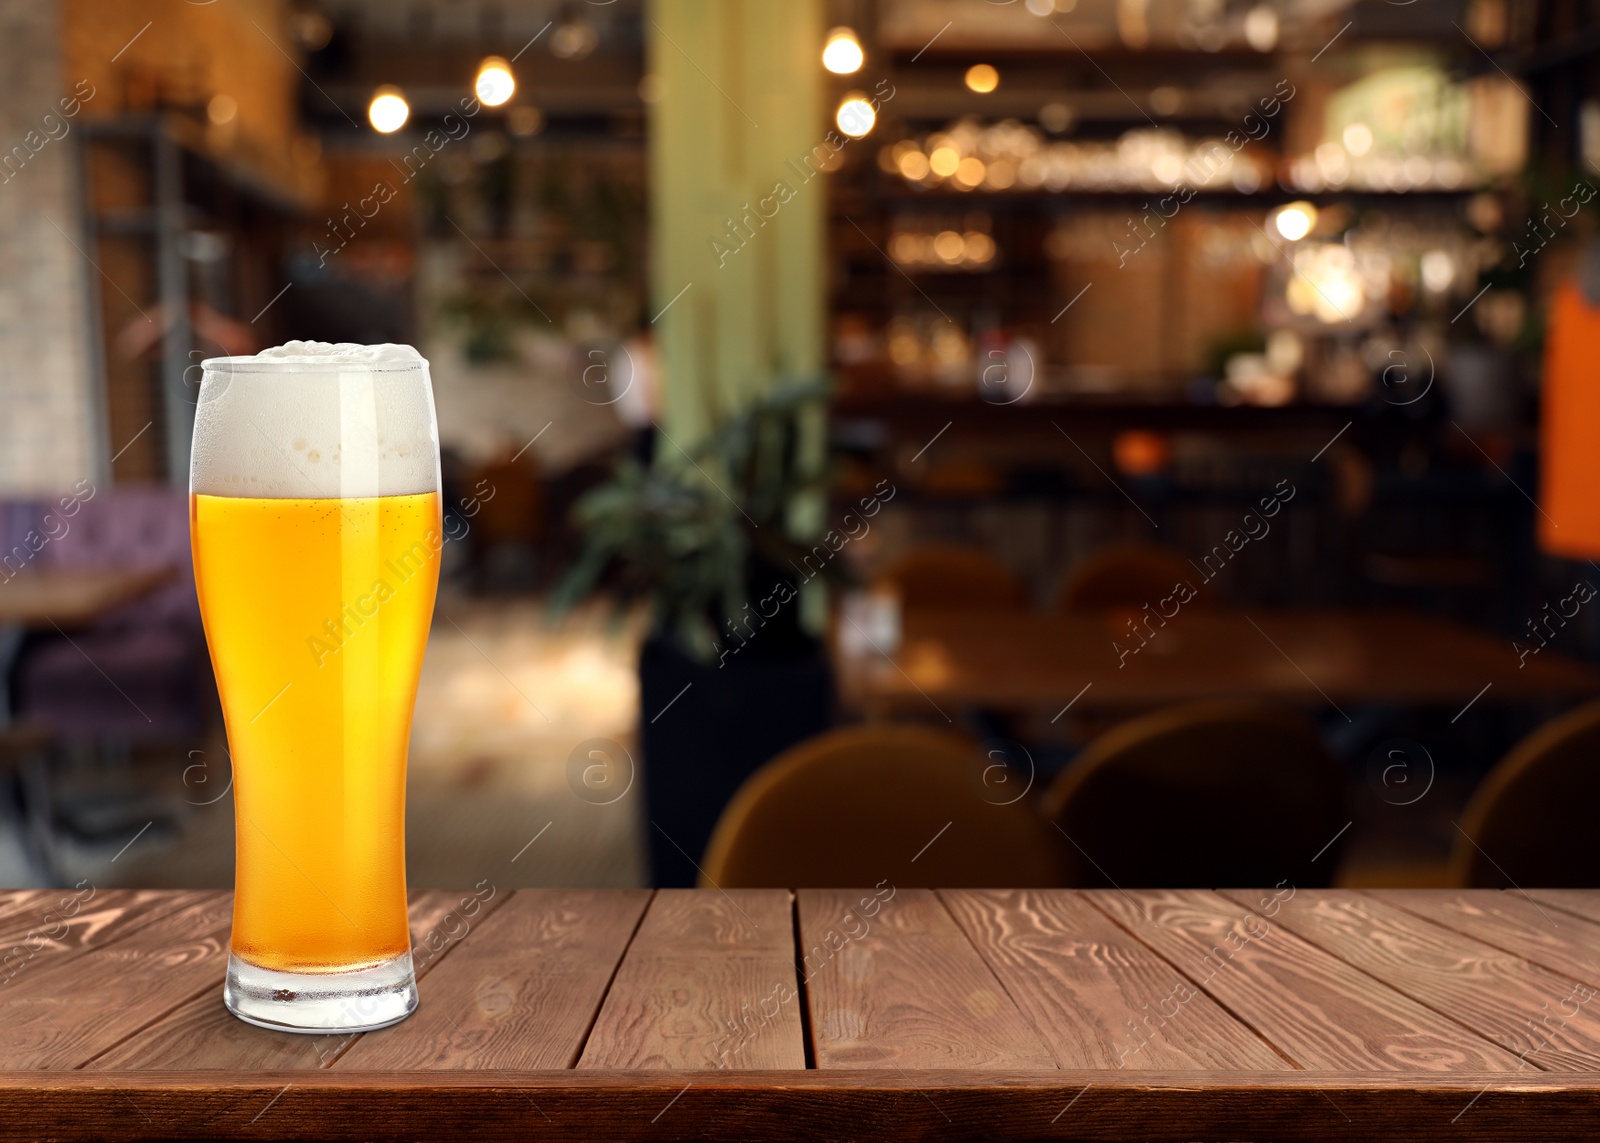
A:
(15, 901)
(1510, 921)
(1583, 903)
(521, 994)
(891, 981)
(44, 912)
(1319, 1011)
(201, 1034)
(70, 1011)
(1097, 997)
(575, 1105)
(60, 923)
(709, 981)
(1496, 994)
(442, 918)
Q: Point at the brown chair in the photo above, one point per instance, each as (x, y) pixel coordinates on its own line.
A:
(1531, 821)
(1126, 575)
(1205, 795)
(506, 500)
(865, 804)
(944, 575)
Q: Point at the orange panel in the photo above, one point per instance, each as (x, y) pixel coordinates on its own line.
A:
(1570, 429)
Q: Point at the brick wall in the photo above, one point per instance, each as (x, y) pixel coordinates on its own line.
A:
(190, 52)
(48, 411)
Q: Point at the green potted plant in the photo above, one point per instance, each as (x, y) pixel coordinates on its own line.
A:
(730, 673)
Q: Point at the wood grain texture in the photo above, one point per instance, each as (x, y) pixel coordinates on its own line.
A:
(881, 1104)
(68, 1012)
(1528, 1010)
(1508, 920)
(509, 988)
(84, 918)
(59, 923)
(201, 1034)
(708, 982)
(1583, 903)
(521, 993)
(1095, 994)
(15, 901)
(892, 981)
(1316, 1009)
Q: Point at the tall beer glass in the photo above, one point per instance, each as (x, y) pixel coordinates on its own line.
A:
(315, 520)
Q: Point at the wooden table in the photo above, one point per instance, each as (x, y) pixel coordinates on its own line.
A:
(36, 598)
(56, 598)
(575, 1014)
(1023, 661)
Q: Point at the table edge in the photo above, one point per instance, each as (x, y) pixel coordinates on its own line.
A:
(874, 1079)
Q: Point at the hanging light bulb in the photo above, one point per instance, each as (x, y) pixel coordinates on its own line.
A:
(843, 55)
(982, 78)
(855, 116)
(388, 110)
(495, 83)
(1295, 221)
(1261, 27)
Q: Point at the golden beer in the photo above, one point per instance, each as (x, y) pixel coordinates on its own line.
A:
(317, 612)
(316, 527)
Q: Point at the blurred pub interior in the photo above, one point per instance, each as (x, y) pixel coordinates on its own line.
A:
(1172, 422)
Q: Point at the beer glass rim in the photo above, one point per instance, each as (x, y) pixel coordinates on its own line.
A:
(307, 365)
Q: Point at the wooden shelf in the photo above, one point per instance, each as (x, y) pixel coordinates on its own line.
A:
(895, 194)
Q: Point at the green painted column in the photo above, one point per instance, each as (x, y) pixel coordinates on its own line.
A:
(737, 204)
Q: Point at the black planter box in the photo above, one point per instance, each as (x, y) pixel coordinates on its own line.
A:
(699, 744)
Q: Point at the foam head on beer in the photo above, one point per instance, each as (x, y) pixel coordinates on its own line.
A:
(314, 419)
(316, 523)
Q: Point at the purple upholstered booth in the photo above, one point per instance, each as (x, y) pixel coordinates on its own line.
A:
(18, 518)
(140, 672)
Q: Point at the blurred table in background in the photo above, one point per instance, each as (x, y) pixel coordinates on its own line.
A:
(47, 597)
(73, 598)
(1030, 662)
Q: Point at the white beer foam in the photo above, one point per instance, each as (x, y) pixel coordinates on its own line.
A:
(312, 420)
(316, 352)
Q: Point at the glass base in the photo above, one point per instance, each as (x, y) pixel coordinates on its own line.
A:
(356, 1001)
